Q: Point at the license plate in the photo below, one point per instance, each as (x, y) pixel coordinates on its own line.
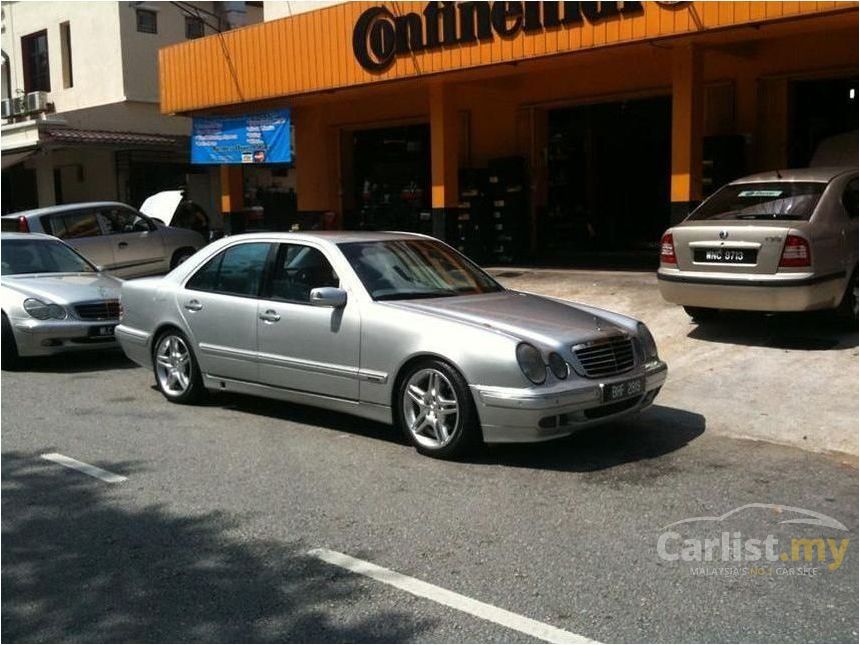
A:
(623, 389)
(726, 256)
(104, 331)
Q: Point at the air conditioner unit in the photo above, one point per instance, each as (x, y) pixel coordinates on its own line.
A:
(36, 101)
(6, 108)
(18, 106)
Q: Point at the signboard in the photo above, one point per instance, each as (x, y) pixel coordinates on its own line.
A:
(251, 138)
(380, 36)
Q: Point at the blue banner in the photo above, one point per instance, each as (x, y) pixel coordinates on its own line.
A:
(251, 138)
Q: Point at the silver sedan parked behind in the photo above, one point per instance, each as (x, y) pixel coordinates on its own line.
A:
(393, 327)
(117, 238)
(53, 300)
(777, 241)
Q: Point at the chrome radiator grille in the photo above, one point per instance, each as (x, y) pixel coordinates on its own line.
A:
(99, 310)
(605, 357)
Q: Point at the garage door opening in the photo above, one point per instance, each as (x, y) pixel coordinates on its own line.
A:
(820, 110)
(387, 179)
(609, 169)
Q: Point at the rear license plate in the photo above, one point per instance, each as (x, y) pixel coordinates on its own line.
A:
(725, 256)
(623, 389)
(103, 331)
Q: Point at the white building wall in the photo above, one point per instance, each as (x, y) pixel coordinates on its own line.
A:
(96, 60)
(274, 9)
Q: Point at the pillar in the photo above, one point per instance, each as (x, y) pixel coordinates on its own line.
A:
(45, 189)
(316, 151)
(232, 197)
(444, 156)
(687, 130)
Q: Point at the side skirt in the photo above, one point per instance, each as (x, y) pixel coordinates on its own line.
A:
(373, 411)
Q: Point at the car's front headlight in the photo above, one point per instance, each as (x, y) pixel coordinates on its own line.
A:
(44, 310)
(531, 363)
(646, 340)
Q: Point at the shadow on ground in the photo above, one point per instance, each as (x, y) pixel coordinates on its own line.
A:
(812, 331)
(78, 362)
(78, 567)
(656, 432)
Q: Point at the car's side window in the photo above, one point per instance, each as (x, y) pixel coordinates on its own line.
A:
(123, 220)
(235, 271)
(68, 226)
(849, 198)
(297, 270)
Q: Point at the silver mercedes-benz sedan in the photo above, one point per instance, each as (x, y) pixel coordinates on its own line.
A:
(53, 299)
(114, 236)
(395, 327)
(776, 241)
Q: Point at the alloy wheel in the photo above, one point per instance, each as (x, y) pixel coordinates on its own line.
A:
(173, 365)
(430, 407)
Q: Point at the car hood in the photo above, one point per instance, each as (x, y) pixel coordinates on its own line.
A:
(65, 288)
(162, 205)
(523, 315)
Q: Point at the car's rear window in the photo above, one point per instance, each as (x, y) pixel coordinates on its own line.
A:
(778, 200)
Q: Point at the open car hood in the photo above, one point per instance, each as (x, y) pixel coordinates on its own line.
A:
(162, 206)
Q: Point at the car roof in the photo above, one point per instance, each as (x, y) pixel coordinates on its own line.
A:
(337, 237)
(66, 208)
(824, 174)
(27, 236)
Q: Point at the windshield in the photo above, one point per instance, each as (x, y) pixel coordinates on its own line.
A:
(40, 256)
(408, 269)
(795, 200)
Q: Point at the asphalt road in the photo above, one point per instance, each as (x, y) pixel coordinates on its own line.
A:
(208, 537)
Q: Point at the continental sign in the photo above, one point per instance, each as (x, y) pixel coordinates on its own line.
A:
(354, 44)
(380, 36)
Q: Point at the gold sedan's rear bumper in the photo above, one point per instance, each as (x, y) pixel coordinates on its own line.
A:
(751, 292)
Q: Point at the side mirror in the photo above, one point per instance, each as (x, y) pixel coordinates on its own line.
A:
(100, 268)
(328, 297)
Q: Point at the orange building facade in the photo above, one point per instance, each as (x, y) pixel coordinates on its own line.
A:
(579, 120)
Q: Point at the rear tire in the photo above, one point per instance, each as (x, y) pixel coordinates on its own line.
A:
(434, 409)
(702, 314)
(847, 309)
(177, 373)
(180, 255)
(10, 358)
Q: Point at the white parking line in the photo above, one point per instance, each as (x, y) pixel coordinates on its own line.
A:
(467, 605)
(92, 471)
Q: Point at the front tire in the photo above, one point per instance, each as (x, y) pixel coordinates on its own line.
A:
(180, 256)
(177, 373)
(10, 358)
(434, 409)
(702, 314)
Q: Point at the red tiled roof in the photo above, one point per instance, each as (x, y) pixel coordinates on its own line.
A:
(104, 137)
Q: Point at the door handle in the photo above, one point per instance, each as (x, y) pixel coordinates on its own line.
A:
(122, 245)
(270, 315)
(193, 305)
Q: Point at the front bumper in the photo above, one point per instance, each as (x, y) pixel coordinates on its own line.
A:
(779, 292)
(512, 415)
(47, 337)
